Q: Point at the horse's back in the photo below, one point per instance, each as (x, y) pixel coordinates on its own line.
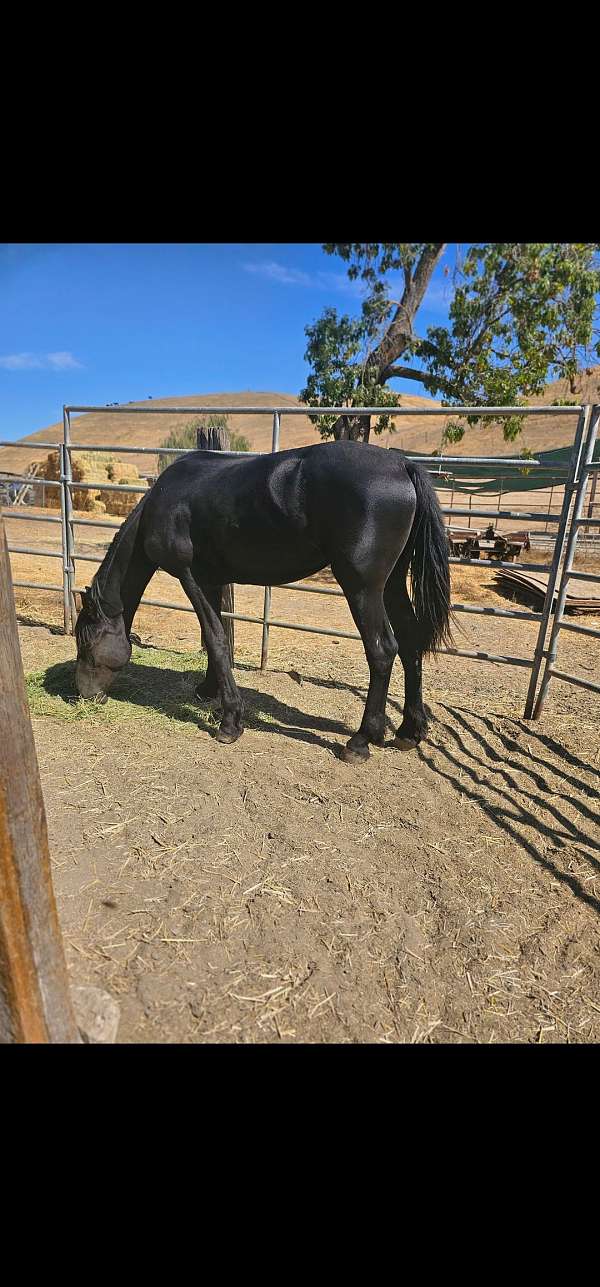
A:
(275, 517)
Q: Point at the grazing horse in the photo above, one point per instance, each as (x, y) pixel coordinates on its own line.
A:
(211, 519)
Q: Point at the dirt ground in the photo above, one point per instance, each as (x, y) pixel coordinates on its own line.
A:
(267, 892)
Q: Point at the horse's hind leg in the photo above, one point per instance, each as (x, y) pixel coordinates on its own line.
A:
(367, 608)
(218, 658)
(209, 686)
(413, 728)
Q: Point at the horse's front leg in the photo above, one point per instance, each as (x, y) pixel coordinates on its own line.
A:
(367, 608)
(232, 725)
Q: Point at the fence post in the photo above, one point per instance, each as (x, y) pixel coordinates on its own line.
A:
(66, 472)
(559, 544)
(579, 486)
(216, 438)
(264, 652)
(65, 544)
(35, 1006)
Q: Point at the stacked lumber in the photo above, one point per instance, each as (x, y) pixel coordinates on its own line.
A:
(94, 467)
(581, 598)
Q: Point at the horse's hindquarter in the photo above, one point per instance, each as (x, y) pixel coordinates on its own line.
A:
(363, 504)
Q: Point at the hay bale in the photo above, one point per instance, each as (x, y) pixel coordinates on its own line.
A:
(121, 503)
(94, 467)
(116, 468)
(50, 468)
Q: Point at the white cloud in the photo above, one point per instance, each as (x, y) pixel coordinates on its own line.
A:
(62, 361)
(32, 361)
(295, 277)
(339, 281)
(279, 273)
(437, 297)
(19, 362)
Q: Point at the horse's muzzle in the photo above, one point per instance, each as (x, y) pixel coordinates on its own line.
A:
(92, 682)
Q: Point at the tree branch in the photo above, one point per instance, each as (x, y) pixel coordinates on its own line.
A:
(424, 270)
(400, 331)
(409, 373)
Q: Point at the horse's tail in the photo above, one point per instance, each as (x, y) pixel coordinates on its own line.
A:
(429, 566)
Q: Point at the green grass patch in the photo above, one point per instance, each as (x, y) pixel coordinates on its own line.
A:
(157, 686)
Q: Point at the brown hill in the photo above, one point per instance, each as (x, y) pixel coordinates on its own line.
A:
(414, 432)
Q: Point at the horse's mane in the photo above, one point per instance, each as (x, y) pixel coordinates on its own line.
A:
(85, 626)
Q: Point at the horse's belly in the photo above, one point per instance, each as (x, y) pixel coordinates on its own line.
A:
(239, 561)
(278, 573)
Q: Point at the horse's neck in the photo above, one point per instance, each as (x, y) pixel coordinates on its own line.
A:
(125, 572)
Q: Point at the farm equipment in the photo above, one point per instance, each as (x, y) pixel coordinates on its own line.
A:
(18, 493)
(487, 543)
(8, 490)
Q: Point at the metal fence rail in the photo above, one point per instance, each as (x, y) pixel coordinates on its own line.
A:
(572, 489)
(39, 518)
(587, 469)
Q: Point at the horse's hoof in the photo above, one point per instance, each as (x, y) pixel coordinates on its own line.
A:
(354, 757)
(227, 738)
(404, 743)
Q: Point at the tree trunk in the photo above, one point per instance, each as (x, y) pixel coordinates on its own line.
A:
(396, 340)
(353, 428)
(217, 439)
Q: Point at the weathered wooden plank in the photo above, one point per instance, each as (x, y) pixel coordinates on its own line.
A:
(35, 1006)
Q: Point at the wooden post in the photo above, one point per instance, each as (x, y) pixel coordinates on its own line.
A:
(35, 1006)
(216, 438)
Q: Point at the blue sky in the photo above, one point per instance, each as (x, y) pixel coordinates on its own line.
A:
(98, 323)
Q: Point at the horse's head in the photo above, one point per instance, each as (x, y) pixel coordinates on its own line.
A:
(103, 648)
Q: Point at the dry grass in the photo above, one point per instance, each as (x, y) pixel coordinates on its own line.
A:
(414, 433)
(265, 892)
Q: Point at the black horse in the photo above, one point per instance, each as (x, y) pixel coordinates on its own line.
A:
(211, 519)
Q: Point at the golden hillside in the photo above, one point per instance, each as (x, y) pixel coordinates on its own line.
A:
(414, 433)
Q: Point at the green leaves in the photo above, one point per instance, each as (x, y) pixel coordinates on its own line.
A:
(341, 374)
(521, 314)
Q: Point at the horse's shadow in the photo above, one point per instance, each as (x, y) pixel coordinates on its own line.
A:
(481, 773)
(171, 693)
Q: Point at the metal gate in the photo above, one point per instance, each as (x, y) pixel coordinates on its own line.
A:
(568, 524)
